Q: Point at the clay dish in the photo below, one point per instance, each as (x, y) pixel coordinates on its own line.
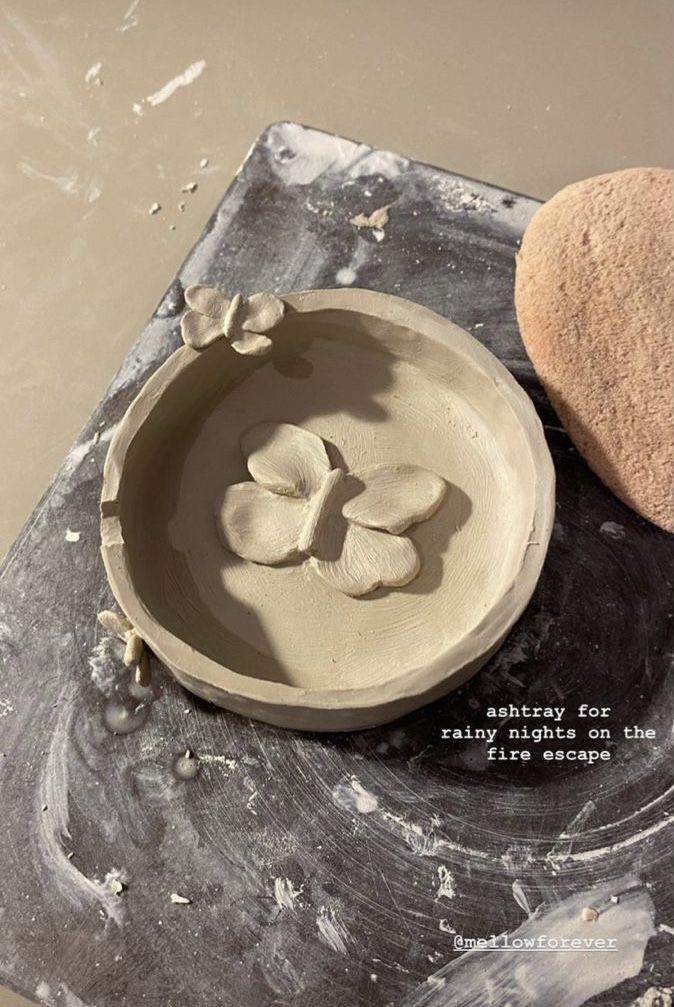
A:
(380, 381)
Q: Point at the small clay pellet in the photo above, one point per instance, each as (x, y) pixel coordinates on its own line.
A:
(133, 649)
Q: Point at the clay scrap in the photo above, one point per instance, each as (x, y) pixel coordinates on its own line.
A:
(241, 321)
(135, 651)
(347, 525)
(378, 218)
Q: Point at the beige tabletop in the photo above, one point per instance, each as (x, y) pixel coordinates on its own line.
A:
(110, 107)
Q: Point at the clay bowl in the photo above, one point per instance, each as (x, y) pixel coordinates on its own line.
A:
(380, 380)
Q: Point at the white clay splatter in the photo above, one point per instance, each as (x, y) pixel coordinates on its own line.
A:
(68, 183)
(225, 760)
(70, 999)
(561, 854)
(612, 530)
(600, 852)
(353, 796)
(521, 898)
(131, 19)
(51, 823)
(459, 195)
(526, 974)
(80, 452)
(301, 155)
(115, 881)
(422, 841)
(345, 276)
(105, 662)
(332, 930)
(43, 994)
(285, 893)
(93, 72)
(73, 536)
(516, 858)
(183, 79)
(446, 884)
(384, 163)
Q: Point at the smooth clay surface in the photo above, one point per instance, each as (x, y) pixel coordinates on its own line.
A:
(380, 381)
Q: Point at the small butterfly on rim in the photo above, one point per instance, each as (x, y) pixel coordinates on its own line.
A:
(243, 322)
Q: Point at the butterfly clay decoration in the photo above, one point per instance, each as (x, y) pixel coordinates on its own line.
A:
(347, 526)
(243, 322)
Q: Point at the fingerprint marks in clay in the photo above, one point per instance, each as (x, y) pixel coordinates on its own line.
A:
(347, 525)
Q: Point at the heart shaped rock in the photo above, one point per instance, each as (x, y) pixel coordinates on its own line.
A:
(594, 294)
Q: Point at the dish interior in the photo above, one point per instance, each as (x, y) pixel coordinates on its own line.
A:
(374, 392)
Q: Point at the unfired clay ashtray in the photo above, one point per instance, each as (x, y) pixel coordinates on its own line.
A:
(325, 510)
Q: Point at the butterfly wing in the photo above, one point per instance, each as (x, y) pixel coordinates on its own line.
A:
(251, 344)
(394, 497)
(260, 525)
(356, 560)
(263, 312)
(286, 459)
(206, 300)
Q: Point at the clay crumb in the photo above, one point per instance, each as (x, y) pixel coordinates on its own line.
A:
(655, 996)
(116, 886)
(116, 624)
(155, 208)
(70, 855)
(73, 536)
(181, 207)
(180, 900)
(589, 915)
(172, 227)
(190, 187)
(615, 899)
(203, 163)
(377, 219)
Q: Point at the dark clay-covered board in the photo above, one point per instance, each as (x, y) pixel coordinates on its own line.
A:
(336, 870)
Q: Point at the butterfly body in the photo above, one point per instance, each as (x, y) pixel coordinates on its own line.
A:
(318, 510)
(348, 525)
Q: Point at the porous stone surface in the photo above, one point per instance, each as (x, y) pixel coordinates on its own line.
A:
(594, 295)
